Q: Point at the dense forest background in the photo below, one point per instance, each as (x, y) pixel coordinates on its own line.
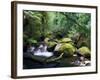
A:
(58, 27)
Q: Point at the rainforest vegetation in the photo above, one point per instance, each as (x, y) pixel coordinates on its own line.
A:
(69, 29)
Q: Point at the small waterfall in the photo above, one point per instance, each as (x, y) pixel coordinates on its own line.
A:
(42, 51)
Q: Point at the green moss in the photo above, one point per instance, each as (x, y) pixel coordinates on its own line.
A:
(65, 40)
(84, 51)
(48, 34)
(67, 48)
(51, 44)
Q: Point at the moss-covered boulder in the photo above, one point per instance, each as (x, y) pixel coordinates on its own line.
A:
(51, 44)
(65, 40)
(67, 48)
(46, 40)
(84, 51)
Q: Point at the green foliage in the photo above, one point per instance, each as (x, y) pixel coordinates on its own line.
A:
(32, 41)
(58, 27)
(35, 23)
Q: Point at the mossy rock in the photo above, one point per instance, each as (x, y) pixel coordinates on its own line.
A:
(46, 40)
(51, 44)
(65, 40)
(84, 51)
(67, 48)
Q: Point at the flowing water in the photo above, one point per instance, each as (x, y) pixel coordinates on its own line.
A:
(42, 51)
(40, 54)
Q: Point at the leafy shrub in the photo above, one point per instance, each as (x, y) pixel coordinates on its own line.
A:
(32, 41)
